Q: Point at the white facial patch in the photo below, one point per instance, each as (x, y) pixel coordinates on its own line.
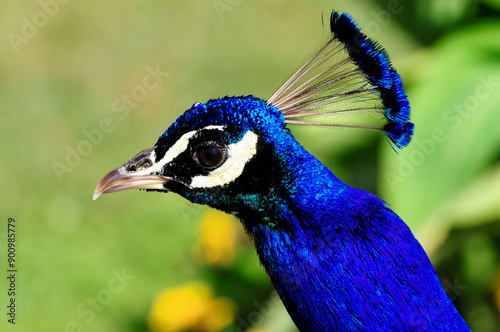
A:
(238, 155)
(176, 149)
(179, 147)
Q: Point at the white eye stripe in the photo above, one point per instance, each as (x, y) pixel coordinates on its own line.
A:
(238, 155)
(179, 147)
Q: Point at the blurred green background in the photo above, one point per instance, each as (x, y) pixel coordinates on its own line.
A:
(66, 69)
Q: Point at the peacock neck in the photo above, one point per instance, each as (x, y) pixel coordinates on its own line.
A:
(341, 260)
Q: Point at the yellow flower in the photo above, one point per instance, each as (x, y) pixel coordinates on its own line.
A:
(218, 236)
(221, 314)
(190, 307)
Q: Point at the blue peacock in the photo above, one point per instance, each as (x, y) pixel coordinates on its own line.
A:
(339, 257)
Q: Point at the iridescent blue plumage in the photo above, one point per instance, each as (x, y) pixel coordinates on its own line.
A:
(398, 128)
(339, 257)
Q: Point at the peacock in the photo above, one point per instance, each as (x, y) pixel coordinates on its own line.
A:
(339, 257)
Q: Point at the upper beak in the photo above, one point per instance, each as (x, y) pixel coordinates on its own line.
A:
(132, 175)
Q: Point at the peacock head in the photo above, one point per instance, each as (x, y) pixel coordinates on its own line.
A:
(217, 153)
(236, 154)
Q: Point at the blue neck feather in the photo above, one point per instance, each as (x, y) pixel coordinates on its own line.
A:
(346, 262)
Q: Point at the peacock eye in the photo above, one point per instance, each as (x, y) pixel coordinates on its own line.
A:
(211, 156)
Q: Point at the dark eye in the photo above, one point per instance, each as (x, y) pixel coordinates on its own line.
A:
(211, 156)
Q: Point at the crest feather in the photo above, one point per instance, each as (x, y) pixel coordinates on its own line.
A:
(351, 81)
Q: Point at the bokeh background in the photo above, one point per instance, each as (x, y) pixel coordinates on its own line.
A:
(84, 85)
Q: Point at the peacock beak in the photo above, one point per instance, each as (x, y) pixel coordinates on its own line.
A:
(137, 173)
